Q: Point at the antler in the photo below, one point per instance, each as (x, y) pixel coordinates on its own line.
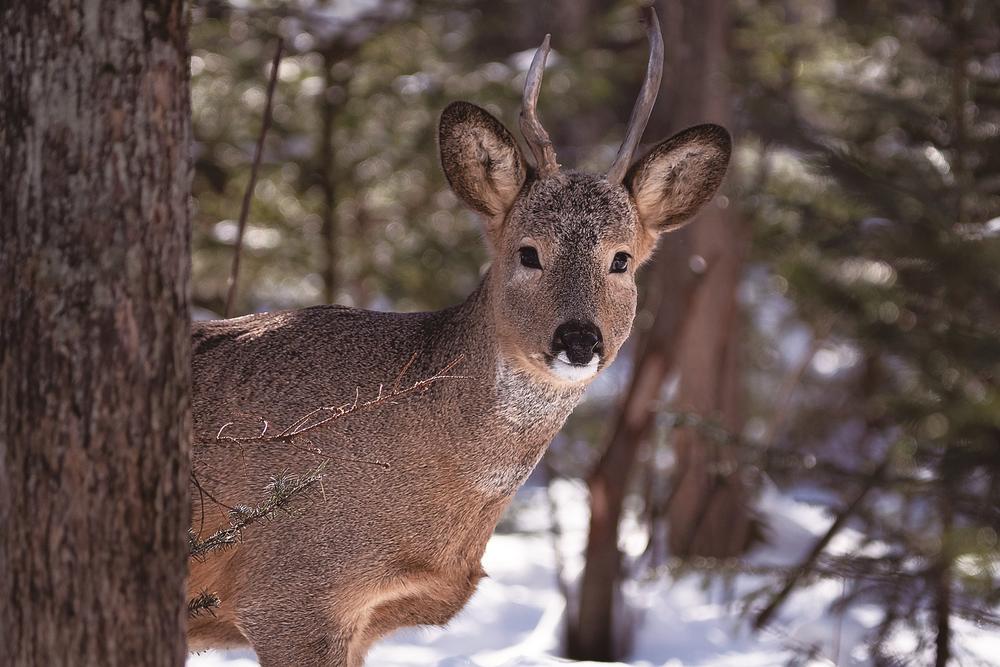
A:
(536, 136)
(644, 104)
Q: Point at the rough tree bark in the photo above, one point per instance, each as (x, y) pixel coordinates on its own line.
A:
(94, 335)
(694, 332)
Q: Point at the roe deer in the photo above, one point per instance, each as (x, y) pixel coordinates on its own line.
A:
(380, 547)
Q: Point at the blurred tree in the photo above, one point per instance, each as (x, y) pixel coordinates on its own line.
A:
(877, 219)
(94, 340)
(708, 513)
(695, 334)
(349, 180)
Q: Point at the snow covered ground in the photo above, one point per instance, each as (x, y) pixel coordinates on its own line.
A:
(515, 618)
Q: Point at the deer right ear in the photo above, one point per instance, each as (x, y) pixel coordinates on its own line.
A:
(678, 176)
(480, 158)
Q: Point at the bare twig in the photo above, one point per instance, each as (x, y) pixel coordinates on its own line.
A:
(555, 531)
(942, 581)
(838, 629)
(280, 491)
(283, 488)
(303, 424)
(789, 384)
(205, 492)
(402, 373)
(809, 561)
(218, 436)
(248, 194)
(316, 451)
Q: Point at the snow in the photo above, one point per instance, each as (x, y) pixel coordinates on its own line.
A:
(515, 619)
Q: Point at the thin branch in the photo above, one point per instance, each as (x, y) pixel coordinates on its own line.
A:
(941, 578)
(302, 425)
(790, 383)
(402, 373)
(555, 531)
(328, 184)
(205, 492)
(809, 561)
(316, 451)
(234, 274)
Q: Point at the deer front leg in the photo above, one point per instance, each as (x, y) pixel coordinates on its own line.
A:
(300, 636)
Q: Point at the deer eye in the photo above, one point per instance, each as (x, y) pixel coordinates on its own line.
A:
(529, 257)
(620, 263)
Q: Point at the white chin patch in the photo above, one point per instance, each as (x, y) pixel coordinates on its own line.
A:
(565, 369)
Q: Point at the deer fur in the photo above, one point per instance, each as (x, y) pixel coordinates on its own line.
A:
(374, 548)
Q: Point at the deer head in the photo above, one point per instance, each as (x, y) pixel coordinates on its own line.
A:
(565, 244)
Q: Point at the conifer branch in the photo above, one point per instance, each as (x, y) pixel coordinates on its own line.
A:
(279, 492)
(203, 602)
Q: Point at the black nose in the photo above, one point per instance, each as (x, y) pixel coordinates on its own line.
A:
(579, 340)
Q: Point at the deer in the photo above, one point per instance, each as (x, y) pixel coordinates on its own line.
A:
(395, 533)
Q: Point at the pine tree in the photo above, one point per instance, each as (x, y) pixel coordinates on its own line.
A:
(879, 128)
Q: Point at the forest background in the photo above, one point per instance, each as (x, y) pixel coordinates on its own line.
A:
(829, 326)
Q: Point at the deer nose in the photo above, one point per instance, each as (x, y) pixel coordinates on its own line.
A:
(578, 340)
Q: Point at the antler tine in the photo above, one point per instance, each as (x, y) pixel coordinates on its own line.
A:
(644, 104)
(536, 136)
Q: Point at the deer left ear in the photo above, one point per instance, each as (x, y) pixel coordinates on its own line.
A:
(480, 159)
(678, 176)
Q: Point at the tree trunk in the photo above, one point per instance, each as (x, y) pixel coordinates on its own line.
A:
(94, 335)
(694, 91)
(708, 514)
(591, 636)
(327, 167)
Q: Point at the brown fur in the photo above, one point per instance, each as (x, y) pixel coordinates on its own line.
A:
(373, 548)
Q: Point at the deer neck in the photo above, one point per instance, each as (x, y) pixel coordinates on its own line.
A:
(510, 413)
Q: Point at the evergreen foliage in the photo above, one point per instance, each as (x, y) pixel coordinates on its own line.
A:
(875, 210)
(278, 494)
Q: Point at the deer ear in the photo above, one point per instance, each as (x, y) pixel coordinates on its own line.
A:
(480, 158)
(678, 176)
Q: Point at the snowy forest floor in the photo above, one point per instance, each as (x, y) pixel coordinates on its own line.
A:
(515, 618)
